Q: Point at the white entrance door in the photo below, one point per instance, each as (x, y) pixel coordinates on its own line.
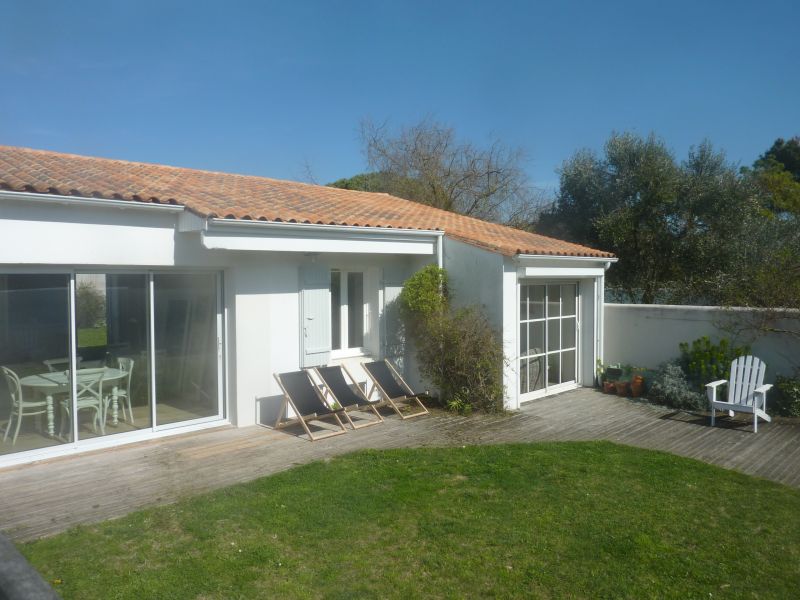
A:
(548, 338)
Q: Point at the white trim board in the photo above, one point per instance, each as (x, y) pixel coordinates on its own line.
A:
(290, 237)
(560, 272)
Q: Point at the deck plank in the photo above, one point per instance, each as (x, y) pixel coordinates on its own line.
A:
(50, 496)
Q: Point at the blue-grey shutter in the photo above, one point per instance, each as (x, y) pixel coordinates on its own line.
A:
(315, 311)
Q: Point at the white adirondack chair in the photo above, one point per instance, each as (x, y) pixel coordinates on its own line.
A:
(747, 391)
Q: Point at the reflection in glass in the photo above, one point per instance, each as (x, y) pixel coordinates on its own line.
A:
(111, 317)
(34, 359)
(568, 333)
(553, 369)
(568, 295)
(553, 301)
(568, 372)
(537, 303)
(336, 309)
(536, 374)
(537, 337)
(523, 339)
(523, 302)
(355, 310)
(553, 335)
(186, 369)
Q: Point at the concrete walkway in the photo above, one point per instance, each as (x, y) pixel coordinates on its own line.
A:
(46, 498)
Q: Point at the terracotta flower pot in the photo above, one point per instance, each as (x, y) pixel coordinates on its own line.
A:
(622, 388)
(609, 387)
(637, 386)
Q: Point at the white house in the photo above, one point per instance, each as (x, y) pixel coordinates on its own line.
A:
(192, 287)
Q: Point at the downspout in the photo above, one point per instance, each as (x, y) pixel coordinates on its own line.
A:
(440, 251)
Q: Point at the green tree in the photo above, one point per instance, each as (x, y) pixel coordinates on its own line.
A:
(673, 225)
(777, 173)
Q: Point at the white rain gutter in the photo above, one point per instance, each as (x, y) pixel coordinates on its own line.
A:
(608, 260)
(88, 202)
(315, 227)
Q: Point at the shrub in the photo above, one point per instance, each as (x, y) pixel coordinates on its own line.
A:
(458, 350)
(703, 361)
(671, 387)
(424, 296)
(785, 398)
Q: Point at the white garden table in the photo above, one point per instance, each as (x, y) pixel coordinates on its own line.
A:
(58, 382)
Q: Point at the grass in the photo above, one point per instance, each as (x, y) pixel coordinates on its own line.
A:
(537, 520)
(92, 336)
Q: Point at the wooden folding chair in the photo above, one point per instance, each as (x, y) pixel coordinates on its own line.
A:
(305, 399)
(393, 387)
(348, 395)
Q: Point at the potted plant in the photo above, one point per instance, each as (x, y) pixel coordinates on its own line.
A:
(637, 385)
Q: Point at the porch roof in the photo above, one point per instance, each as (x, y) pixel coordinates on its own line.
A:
(211, 194)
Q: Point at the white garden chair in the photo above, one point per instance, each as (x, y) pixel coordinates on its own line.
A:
(747, 391)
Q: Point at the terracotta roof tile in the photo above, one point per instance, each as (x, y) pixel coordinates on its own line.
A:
(214, 194)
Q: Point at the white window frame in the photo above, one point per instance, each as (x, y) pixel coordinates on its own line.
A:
(548, 388)
(345, 351)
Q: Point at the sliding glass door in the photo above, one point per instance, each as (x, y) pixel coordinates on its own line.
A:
(92, 354)
(187, 347)
(548, 338)
(34, 360)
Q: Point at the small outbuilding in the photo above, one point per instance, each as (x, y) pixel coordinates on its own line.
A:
(190, 288)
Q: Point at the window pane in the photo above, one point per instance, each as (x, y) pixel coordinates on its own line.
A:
(336, 310)
(523, 376)
(523, 339)
(34, 360)
(553, 368)
(186, 346)
(537, 338)
(111, 317)
(537, 302)
(553, 335)
(568, 333)
(536, 374)
(355, 310)
(523, 302)
(553, 300)
(568, 366)
(568, 299)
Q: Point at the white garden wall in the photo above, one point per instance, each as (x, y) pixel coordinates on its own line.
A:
(647, 335)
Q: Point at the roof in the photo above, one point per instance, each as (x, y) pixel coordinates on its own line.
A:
(230, 196)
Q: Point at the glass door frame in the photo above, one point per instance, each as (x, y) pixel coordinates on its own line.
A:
(549, 389)
(221, 353)
(75, 442)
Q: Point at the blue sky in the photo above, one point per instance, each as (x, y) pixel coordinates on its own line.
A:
(266, 87)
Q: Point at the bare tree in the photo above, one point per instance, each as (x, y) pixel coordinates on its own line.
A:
(425, 162)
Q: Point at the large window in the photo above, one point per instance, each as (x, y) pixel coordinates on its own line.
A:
(347, 310)
(186, 347)
(548, 336)
(76, 354)
(111, 316)
(34, 360)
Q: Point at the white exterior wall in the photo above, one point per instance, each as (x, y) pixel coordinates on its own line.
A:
(647, 335)
(475, 277)
(261, 288)
(492, 281)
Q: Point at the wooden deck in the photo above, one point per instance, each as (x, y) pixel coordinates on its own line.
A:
(49, 497)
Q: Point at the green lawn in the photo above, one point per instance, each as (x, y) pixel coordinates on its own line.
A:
(541, 520)
(92, 336)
